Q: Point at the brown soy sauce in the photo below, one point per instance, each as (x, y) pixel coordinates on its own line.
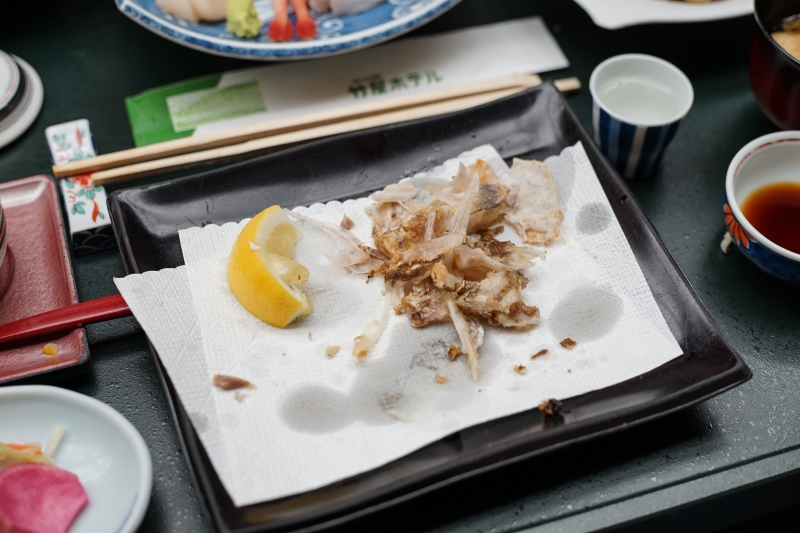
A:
(774, 210)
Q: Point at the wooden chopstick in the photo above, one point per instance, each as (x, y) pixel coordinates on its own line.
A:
(230, 152)
(237, 150)
(300, 122)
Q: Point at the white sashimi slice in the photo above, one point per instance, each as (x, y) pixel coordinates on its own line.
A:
(209, 10)
(180, 9)
(351, 7)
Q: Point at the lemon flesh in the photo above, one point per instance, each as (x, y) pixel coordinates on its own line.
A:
(261, 272)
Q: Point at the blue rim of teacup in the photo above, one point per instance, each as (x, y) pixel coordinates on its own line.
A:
(678, 116)
(738, 160)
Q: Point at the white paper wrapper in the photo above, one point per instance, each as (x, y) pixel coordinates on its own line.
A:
(314, 420)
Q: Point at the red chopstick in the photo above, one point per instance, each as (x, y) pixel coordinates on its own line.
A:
(65, 318)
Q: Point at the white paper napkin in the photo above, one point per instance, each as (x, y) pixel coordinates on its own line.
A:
(314, 420)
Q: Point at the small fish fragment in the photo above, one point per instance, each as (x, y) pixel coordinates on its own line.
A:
(441, 379)
(332, 350)
(520, 369)
(396, 193)
(397, 415)
(568, 343)
(346, 222)
(489, 204)
(453, 352)
(498, 299)
(534, 214)
(50, 348)
(372, 332)
(351, 253)
(221, 381)
(466, 330)
(540, 353)
(551, 407)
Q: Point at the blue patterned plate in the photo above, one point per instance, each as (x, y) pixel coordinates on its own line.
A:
(335, 35)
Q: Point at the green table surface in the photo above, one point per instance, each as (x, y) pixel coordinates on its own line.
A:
(728, 459)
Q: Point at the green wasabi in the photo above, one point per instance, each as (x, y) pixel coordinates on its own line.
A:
(242, 18)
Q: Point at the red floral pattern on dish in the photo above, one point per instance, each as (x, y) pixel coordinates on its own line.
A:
(736, 230)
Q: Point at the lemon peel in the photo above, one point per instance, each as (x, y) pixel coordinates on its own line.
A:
(261, 272)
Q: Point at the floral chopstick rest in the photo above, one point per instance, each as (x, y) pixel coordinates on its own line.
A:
(87, 212)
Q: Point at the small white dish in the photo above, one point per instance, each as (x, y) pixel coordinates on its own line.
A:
(100, 446)
(615, 14)
(22, 118)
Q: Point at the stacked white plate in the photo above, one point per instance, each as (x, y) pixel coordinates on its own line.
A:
(21, 95)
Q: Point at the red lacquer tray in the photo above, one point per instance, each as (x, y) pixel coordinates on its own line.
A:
(42, 280)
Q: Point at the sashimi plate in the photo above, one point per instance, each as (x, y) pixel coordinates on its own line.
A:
(615, 14)
(335, 34)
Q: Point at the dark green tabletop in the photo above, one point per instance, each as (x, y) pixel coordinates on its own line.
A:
(729, 459)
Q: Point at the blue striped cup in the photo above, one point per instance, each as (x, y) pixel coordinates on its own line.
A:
(638, 102)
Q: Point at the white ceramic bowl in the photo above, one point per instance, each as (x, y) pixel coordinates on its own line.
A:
(100, 446)
(768, 159)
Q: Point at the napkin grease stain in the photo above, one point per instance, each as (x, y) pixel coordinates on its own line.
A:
(586, 313)
(593, 218)
(315, 409)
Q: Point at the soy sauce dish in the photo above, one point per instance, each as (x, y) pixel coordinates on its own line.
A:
(759, 168)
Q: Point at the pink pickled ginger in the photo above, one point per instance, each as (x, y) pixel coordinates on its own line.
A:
(37, 498)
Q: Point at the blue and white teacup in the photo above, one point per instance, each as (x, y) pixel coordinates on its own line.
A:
(772, 158)
(638, 102)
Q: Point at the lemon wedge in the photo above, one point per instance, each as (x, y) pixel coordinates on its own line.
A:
(261, 272)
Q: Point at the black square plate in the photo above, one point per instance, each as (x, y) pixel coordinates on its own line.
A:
(534, 124)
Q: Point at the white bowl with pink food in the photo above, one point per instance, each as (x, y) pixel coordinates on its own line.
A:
(69, 463)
